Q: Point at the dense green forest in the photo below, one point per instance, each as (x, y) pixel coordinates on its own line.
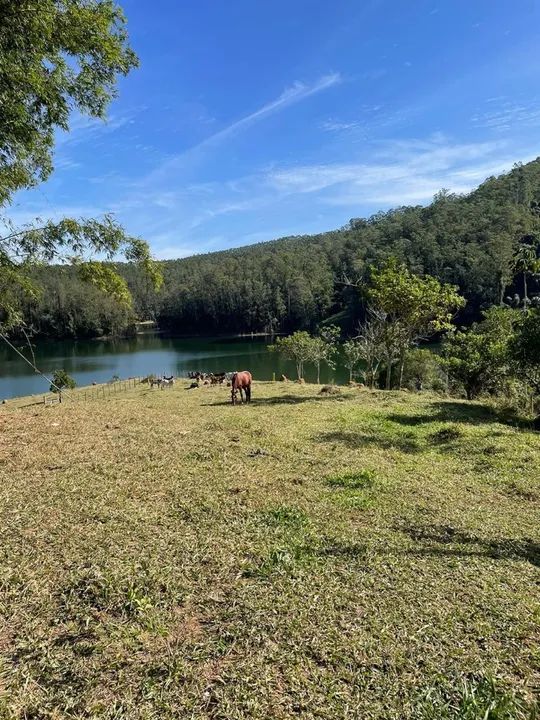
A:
(298, 282)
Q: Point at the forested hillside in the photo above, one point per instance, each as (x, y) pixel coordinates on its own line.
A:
(297, 282)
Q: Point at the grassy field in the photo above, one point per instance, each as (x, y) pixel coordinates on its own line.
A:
(359, 555)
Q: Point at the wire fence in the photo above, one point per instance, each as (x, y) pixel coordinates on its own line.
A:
(98, 392)
(84, 394)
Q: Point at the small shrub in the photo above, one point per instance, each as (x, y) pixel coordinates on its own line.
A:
(447, 434)
(361, 480)
(423, 371)
(516, 398)
(283, 560)
(516, 490)
(285, 516)
(61, 381)
(475, 699)
(330, 390)
(131, 594)
(298, 555)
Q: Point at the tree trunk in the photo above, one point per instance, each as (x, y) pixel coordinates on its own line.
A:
(388, 376)
(401, 368)
(318, 373)
(502, 287)
(525, 296)
(350, 374)
(371, 369)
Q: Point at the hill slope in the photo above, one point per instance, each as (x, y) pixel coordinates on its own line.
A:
(367, 555)
(295, 283)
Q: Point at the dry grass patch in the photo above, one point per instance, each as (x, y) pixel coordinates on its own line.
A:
(166, 555)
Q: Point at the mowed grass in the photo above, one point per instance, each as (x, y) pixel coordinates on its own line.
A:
(360, 555)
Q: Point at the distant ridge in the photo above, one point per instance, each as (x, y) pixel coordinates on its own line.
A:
(296, 282)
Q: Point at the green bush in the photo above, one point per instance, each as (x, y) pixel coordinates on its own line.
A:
(525, 348)
(478, 359)
(423, 371)
(360, 480)
(61, 381)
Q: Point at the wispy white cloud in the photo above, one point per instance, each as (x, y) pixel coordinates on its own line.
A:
(366, 117)
(65, 163)
(339, 126)
(183, 218)
(405, 165)
(35, 213)
(373, 74)
(395, 173)
(297, 92)
(509, 115)
(175, 250)
(85, 129)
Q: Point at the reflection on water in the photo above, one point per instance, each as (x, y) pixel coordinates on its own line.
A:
(98, 361)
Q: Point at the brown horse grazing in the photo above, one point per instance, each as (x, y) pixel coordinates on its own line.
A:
(241, 381)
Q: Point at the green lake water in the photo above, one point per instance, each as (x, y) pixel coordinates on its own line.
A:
(99, 361)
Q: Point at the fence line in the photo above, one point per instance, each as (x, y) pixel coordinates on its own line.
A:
(84, 394)
(91, 392)
(102, 392)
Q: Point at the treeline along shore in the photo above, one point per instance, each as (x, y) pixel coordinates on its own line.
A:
(299, 282)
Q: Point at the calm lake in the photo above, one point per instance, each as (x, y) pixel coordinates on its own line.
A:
(99, 361)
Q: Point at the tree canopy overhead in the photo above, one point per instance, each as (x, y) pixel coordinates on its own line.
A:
(56, 56)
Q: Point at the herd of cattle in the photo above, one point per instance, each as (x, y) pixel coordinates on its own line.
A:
(160, 382)
(240, 382)
(211, 378)
(199, 378)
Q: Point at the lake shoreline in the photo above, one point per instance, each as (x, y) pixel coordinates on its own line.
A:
(162, 333)
(88, 361)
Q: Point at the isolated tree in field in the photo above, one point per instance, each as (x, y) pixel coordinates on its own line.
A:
(371, 337)
(352, 354)
(324, 348)
(526, 262)
(298, 347)
(393, 345)
(57, 56)
(415, 308)
(61, 381)
(424, 371)
(479, 358)
(525, 350)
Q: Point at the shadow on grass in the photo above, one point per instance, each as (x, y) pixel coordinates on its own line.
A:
(287, 400)
(465, 412)
(441, 540)
(358, 440)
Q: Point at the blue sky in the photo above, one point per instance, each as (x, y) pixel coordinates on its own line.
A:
(248, 121)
